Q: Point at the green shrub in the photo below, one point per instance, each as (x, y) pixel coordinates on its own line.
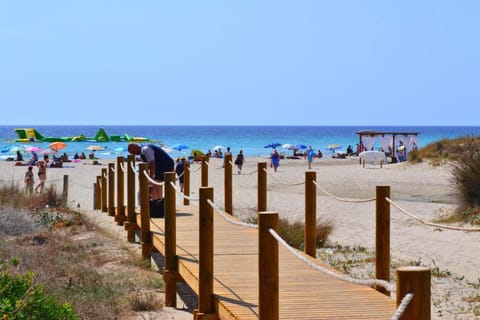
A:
(466, 173)
(21, 298)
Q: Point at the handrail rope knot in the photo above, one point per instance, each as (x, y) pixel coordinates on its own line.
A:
(158, 183)
(364, 282)
(113, 169)
(122, 167)
(285, 183)
(402, 306)
(181, 193)
(227, 218)
(342, 199)
(429, 223)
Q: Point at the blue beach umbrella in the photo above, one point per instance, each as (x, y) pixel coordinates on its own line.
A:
(273, 145)
(300, 146)
(179, 146)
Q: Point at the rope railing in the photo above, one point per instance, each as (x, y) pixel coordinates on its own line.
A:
(132, 167)
(285, 183)
(226, 216)
(342, 199)
(123, 168)
(402, 306)
(442, 226)
(174, 186)
(150, 179)
(366, 282)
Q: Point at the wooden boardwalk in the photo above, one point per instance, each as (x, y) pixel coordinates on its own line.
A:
(304, 293)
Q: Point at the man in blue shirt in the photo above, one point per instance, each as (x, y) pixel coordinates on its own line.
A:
(159, 162)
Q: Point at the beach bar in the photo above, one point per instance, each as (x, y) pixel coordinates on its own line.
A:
(390, 142)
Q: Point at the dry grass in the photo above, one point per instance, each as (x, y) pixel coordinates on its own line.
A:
(76, 263)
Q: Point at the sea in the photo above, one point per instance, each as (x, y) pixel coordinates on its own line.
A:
(253, 140)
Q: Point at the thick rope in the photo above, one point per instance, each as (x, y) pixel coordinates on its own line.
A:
(227, 217)
(132, 167)
(342, 199)
(181, 193)
(402, 306)
(113, 169)
(367, 282)
(122, 167)
(285, 183)
(158, 183)
(442, 226)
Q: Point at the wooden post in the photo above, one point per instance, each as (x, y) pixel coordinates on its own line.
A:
(104, 190)
(131, 196)
(65, 190)
(416, 280)
(111, 190)
(262, 187)
(204, 182)
(120, 214)
(186, 182)
(228, 183)
(170, 273)
(98, 193)
(310, 214)
(205, 285)
(382, 267)
(268, 267)
(145, 212)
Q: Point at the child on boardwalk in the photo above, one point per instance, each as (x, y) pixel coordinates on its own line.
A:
(29, 180)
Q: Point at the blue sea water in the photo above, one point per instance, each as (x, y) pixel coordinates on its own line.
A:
(251, 139)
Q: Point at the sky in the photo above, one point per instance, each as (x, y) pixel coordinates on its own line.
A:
(318, 62)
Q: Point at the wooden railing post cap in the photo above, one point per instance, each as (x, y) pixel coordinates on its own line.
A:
(413, 269)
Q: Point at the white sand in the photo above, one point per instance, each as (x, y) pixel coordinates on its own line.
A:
(421, 189)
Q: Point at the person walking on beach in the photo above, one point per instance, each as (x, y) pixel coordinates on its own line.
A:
(239, 161)
(158, 161)
(179, 170)
(42, 175)
(275, 158)
(29, 180)
(310, 156)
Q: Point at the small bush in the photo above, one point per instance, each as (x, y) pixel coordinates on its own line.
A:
(466, 172)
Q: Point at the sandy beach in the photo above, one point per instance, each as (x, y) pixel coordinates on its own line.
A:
(421, 189)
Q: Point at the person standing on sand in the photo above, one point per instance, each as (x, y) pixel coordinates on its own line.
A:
(29, 180)
(275, 158)
(179, 170)
(310, 155)
(158, 161)
(239, 161)
(42, 175)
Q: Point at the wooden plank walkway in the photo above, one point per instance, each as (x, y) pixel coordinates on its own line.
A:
(304, 293)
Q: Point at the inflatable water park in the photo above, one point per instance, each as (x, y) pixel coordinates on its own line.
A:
(32, 135)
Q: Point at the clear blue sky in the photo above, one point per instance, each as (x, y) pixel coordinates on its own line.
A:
(242, 62)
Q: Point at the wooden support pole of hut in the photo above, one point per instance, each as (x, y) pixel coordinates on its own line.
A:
(227, 163)
(120, 214)
(146, 236)
(186, 182)
(131, 196)
(262, 187)
(204, 174)
(205, 284)
(98, 194)
(416, 280)
(382, 265)
(268, 266)
(310, 214)
(111, 189)
(104, 190)
(65, 190)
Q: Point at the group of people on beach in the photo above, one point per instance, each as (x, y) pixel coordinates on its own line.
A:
(30, 178)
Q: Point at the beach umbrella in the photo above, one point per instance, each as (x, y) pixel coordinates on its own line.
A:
(58, 145)
(217, 148)
(300, 146)
(48, 151)
(95, 148)
(179, 146)
(32, 149)
(333, 147)
(288, 146)
(273, 145)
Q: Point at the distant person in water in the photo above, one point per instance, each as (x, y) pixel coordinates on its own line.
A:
(159, 162)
